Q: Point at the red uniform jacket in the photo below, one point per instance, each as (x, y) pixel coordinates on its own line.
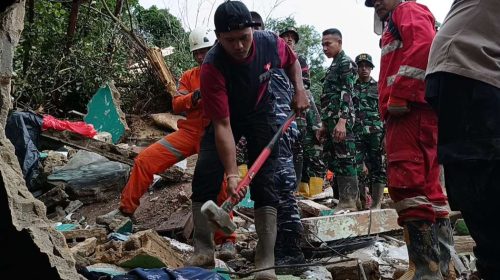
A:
(406, 43)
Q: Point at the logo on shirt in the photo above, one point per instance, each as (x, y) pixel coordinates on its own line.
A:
(266, 75)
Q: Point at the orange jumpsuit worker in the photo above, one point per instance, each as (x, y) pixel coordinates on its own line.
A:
(178, 145)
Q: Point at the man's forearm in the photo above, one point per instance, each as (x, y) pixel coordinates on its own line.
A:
(226, 148)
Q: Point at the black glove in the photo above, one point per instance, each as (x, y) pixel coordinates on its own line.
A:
(196, 97)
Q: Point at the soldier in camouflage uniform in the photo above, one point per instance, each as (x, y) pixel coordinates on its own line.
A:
(369, 131)
(290, 230)
(314, 169)
(307, 151)
(338, 119)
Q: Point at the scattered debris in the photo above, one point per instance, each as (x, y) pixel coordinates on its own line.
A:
(78, 235)
(145, 249)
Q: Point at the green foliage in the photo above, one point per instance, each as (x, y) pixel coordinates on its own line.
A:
(308, 46)
(58, 79)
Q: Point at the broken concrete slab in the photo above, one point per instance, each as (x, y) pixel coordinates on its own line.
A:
(144, 249)
(329, 228)
(314, 209)
(104, 112)
(85, 248)
(147, 249)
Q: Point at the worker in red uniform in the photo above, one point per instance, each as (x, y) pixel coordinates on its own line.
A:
(411, 137)
(178, 145)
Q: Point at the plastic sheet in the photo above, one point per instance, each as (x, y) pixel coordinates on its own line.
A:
(82, 128)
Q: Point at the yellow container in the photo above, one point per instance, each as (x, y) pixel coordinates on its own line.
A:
(304, 189)
(242, 170)
(315, 186)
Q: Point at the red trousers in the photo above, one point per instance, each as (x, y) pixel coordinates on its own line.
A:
(157, 158)
(412, 167)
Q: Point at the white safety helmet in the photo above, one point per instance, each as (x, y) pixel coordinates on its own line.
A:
(200, 38)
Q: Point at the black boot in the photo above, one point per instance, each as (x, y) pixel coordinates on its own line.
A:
(279, 249)
(293, 251)
(265, 226)
(445, 237)
(377, 195)
(423, 251)
(203, 239)
(348, 193)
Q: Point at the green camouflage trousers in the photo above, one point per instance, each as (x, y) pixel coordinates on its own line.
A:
(369, 151)
(314, 165)
(340, 156)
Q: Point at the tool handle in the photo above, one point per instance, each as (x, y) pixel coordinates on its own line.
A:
(245, 182)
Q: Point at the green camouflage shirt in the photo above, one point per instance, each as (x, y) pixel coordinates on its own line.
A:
(366, 106)
(338, 89)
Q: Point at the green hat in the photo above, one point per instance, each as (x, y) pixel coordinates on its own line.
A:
(291, 30)
(364, 57)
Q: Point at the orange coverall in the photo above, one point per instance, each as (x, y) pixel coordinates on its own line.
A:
(171, 149)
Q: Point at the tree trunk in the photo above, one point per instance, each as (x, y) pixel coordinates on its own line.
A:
(73, 19)
(112, 43)
(31, 247)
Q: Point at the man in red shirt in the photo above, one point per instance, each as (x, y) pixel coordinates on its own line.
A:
(234, 79)
(411, 137)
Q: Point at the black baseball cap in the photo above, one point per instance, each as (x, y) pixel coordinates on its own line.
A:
(369, 3)
(233, 15)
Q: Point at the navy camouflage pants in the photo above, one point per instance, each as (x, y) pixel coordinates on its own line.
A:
(285, 182)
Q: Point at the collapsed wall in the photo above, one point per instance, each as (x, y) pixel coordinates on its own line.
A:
(31, 248)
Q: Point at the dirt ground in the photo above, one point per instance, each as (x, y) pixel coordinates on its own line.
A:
(156, 205)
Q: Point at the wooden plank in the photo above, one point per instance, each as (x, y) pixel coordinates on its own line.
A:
(464, 244)
(329, 228)
(99, 233)
(314, 209)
